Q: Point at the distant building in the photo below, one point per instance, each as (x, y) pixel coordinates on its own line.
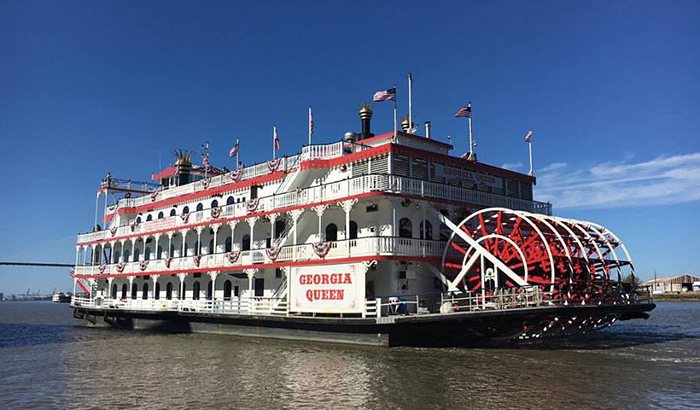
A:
(677, 283)
(2, 296)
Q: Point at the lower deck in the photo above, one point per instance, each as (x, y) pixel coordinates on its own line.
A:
(457, 328)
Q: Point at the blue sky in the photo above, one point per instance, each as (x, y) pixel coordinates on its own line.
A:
(612, 90)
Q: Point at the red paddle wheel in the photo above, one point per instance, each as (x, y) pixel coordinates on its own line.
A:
(498, 248)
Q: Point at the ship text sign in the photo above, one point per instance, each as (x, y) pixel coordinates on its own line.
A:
(327, 289)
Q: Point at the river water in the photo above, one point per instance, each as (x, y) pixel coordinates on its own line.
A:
(47, 360)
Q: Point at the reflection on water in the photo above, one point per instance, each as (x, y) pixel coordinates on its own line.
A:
(48, 361)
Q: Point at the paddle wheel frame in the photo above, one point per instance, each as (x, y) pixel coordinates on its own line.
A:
(572, 261)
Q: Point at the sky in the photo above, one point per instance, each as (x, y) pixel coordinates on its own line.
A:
(611, 90)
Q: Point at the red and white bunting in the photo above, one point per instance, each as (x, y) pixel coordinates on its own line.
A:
(215, 212)
(273, 252)
(274, 164)
(143, 264)
(233, 256)
(322, 248)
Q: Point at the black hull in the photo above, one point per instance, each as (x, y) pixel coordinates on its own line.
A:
(461, 329)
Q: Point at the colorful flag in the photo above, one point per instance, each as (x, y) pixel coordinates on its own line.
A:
(276, 138)
(385, 95)
(234, 150)
(528, 136)
(465, 112)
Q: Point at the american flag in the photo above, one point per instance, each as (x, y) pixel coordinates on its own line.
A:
(205, 162)
(465, 112)
(311, 123)
(234, 150)
(385, 95)
(276, 138)
(528, 136)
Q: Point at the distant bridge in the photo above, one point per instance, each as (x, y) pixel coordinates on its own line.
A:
(39, 264)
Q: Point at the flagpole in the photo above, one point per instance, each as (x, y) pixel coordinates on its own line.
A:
(395, 122)
(274, 133)
(529, 145)
(310, 130)
(238, 151)
(471, 138)
(410, 102)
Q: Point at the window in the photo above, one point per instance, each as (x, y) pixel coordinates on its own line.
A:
(209, 290)
(186, 210)
(138, 220)
(228, 244)
(149, 218)
(116, 256)
(114, 291)
(137, 255)
(157, 291)
(259, 287)
(147, 253)
(195, 291)
(160, 215)
(278, 273)
(405, 228)
(159, 252)
(331, 232)
(353, 230)
(184, 290)
(171, 251)
(200, 207)
(173, 212)
(214, 203)
(169, 291)
(124, 291)
(245, 242)
(280, 224)
(428, 234)
(144, 295)
(236, 291)
(134, 290)
(127, 255)
(372, 208)
(227, 290)
(230, 201)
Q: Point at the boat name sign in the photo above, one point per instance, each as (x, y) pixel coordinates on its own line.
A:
(327, 289)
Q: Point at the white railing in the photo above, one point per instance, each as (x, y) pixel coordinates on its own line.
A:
(325, 151)
(334, 191)
(369, 246)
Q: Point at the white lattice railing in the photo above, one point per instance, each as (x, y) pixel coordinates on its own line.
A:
(334, 191)
(377, 245)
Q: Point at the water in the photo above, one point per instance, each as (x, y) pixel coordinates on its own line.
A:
(48, 361)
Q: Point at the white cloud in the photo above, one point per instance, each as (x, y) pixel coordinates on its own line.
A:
(513, 166)
(663, 180)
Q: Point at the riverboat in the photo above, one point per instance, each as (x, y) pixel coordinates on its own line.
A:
(374, 239)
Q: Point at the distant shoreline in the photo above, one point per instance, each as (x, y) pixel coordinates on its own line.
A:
(677, 297)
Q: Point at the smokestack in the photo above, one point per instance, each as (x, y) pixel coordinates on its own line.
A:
(427, 129)
(405, 124)
(366, 117)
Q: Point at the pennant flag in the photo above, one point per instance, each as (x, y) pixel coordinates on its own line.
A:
(234, 150)
(276, 137)
(465, 112)
(528, 136)
(385, 95)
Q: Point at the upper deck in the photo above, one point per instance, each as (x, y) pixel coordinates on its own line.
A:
(409, 166)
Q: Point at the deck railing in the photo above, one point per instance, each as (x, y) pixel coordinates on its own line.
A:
(369, 246)
(334, 191)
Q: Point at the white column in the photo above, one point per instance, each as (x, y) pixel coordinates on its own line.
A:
(319, 211)
(184, 242)
(273, 219)
(251, 223)
(182, 277)
(156, 249)
(198, 249)
(295, 215)
(213, 276)
(94, 255)
(251, 276)
(155, 281)
(216, 234)
(109, 287)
